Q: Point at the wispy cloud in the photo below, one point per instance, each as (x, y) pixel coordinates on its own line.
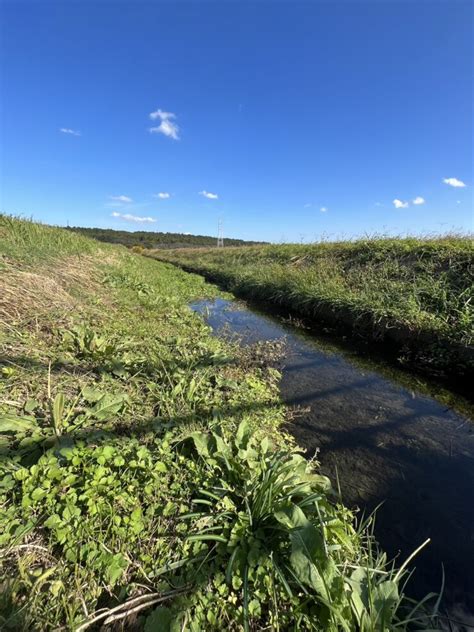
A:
(400, 204)
(133, 218)
(163, 195)
(209, 196)
(307, 205)
(121, 198)
(454, 182)
(68, 130)
(419, 200)
(167, 126)
(378, 204)
(323, 209)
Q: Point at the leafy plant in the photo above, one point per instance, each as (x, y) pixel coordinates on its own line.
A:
(105, 351)
(269, 510)
(129, 281)
(27, 433)
(85, 343)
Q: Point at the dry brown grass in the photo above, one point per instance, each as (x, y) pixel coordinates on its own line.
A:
(28, 295)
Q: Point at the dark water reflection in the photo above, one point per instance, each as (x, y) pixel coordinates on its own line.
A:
(387, 444)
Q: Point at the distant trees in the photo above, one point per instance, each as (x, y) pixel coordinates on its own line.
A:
(147, 239)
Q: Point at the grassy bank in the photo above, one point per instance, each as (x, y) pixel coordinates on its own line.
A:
(415, 294)
(145, 483)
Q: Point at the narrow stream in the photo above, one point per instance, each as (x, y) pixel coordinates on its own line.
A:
(387, 443)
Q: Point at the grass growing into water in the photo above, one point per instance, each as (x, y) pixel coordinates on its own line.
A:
(144, 478)
(416, 293)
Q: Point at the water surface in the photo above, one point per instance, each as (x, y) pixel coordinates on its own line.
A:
(386, 443)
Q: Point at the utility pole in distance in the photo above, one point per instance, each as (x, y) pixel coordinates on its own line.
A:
(220, 234)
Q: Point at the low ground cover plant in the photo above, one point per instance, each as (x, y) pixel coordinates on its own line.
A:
(145, 480)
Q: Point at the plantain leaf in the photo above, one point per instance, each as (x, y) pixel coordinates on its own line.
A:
(16, 424)
(108, 406)
(243, 435)
(58, 410)
(202, 442)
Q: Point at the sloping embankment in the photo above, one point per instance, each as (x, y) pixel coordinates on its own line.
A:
(413, 295)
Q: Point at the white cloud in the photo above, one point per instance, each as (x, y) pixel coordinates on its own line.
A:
(400, 204)
(121, 198)
(166, 126)
(163, 195)
(454, 182)
(323, 209)
(209, 196)
(67, 130)
(133, 218)
(418, 200)
(458, 202)
(378, 204)
(307, 205)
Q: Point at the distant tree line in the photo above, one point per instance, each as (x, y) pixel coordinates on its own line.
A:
(147, 239)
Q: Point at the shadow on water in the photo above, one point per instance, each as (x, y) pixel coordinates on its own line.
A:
(386, 444)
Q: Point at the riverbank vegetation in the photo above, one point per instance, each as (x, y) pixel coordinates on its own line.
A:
(413, 294)
(145, 479)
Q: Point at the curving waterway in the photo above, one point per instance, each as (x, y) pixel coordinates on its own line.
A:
(385, 443)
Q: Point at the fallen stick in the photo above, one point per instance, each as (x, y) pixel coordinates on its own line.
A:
(128, 607)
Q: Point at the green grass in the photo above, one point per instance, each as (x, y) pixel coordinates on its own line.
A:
(145, 480)
(417, 293)
(26, 241)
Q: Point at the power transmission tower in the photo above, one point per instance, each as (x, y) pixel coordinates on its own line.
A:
(220, 234)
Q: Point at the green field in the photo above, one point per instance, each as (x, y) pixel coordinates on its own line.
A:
(145, 481)
(416, 294)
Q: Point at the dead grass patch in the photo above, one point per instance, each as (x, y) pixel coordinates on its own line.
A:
(28, 296)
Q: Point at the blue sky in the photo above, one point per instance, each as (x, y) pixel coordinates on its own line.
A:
(304, 119)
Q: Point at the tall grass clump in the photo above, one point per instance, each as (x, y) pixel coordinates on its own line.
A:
(30, 242)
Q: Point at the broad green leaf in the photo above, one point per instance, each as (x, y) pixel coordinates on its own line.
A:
(16, 424)
(108, 452)
(222, 448)
(202, 442)
(254, 608)
(308, 558)
(108, 406)
(159, 620)
(53, 521)
(116, 568)
(91, 395)
(243, 434)
(22, 474)
(385, 598)
(31, 404)
(291, 516)
(38, 494)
